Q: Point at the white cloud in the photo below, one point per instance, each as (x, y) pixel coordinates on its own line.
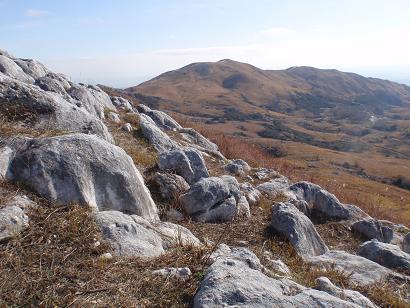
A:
(277, 31)
(36, 13)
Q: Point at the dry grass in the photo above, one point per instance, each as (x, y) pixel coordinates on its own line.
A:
(55, 262)
(369, 199)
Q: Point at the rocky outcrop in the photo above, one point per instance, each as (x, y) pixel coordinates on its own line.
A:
(172, 272)
(131, 235)
(373, 229)
(82, 169)
(186, 162)
(237, 167)
(237, 280)
(46, 110)
(252, 195)
(13, 215)
(388, 255)
(325, 285)
(121, 103)
(160, 118)
(155, 136)
(361, 271)
(195, 139)
(324, 205)
(274, 187)
(93, 99)
(212, 199)
(170, 185)
(288, 221)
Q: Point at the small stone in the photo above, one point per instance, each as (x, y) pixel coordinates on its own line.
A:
(127, 127)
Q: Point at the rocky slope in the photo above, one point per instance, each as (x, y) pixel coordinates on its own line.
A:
(151, 186)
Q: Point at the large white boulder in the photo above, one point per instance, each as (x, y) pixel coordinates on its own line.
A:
(82, 169)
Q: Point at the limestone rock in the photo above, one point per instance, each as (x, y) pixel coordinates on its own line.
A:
(155, 136)
(170, 185)
(93, 99)
(372, 229)
(324, 204)
(186, 162)
(274, 187)
(252, 195)
(172, 272)
(298, 229)
(237, 167)
(361, 271)
(82, 169)
(121, 103)
(388, 255)
(160, 118)
(325, 285)
(212, 199)
(132, 235)
(236, 280)
(114, 117)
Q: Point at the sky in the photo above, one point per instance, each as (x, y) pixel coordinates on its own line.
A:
(123, 43)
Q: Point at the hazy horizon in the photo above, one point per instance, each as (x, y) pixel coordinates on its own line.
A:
(125, 44)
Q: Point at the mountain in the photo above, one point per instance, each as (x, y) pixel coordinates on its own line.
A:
(341, 121)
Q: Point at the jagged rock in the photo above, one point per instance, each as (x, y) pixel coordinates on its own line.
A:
(372, 229)
(265, 174)
(388, 255)
(93, 99)
(175, 235)
(170, 185)
(11, 69)
(223, 211)
(237, 167)
(298, 229)
(127, 237)
(186, 162)
(324, 204)
(406, 243)
(160, 118)
(50, 85)
(274, 187)
(13, 215)
(236, 280)
(279, 266)
(361, 271)
(243, 209)
(252, 195)
(127, 127)
(121, 103)
(172, 272)
(48, 110)
(220, 251)
(6, 155)
(203, 144)
(82, 169)
(155, 136)
(212, 199)
(325, 285)
(13, 220)
(32, 68)
(114, 117)
(131, 235)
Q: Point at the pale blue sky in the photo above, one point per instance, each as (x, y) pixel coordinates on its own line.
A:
(123, 43)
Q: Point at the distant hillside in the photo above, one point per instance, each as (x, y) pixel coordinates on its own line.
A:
(335, 125)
